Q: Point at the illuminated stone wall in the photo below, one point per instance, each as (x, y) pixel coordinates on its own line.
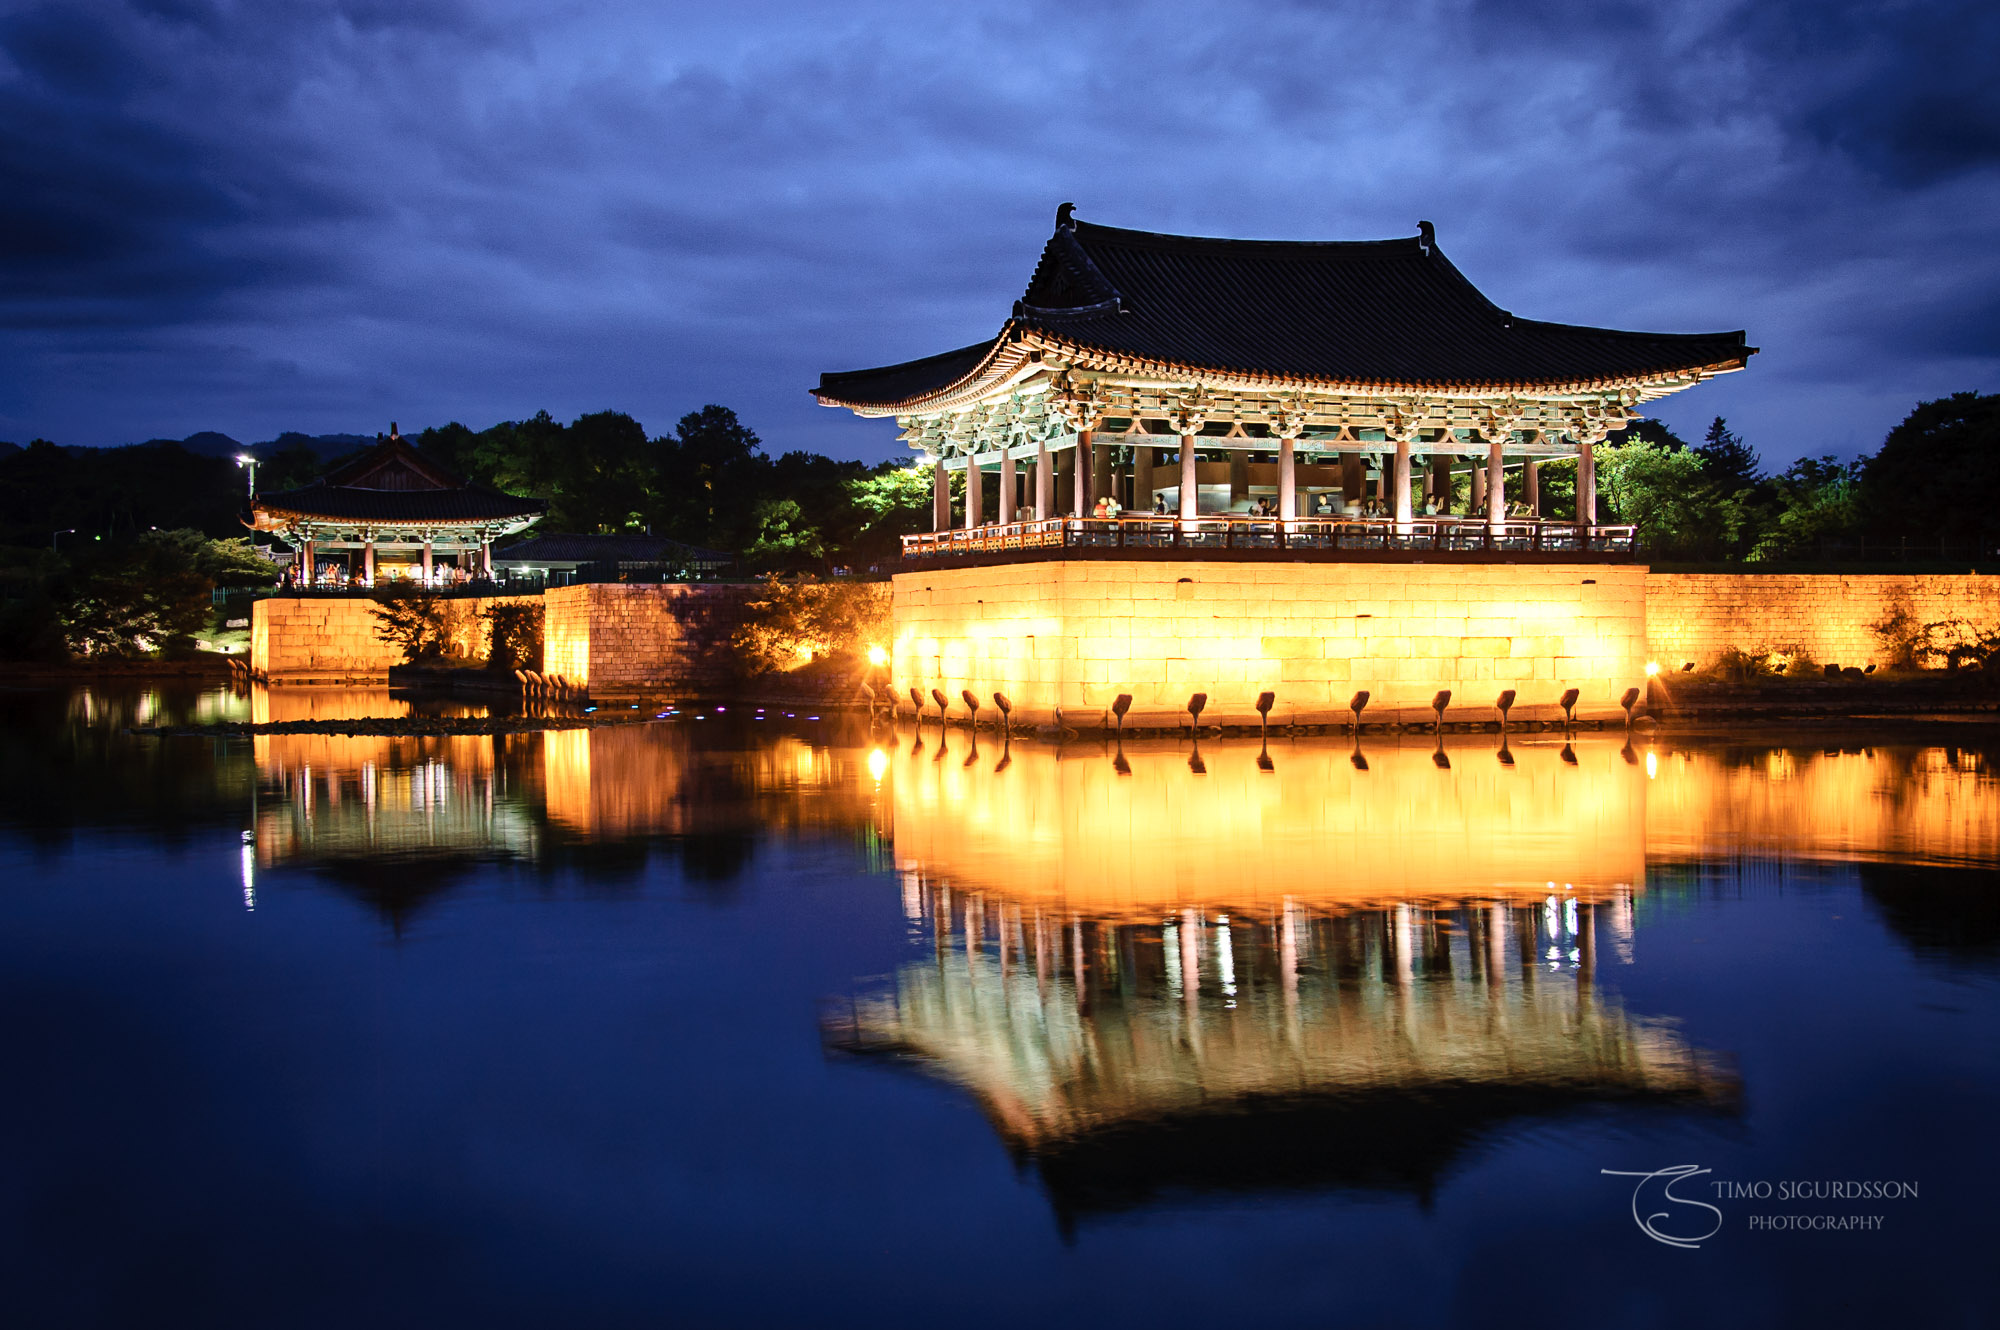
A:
(1693, 616)
(331, 639)
(1075, 634)
(625, 637)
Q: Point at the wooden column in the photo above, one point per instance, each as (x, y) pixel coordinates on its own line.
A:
(940, 496)
(1239, 475)
(1045, 483)
(306, 562)
(1007, 487)
(1288, 478)
(1496, 484)
(975, 493)
(1065, 482)
(1403, 514)
(1085, 467)
(1478, 475)
(1188, 485)
(1441, 480)
(1142, 478)
(1531, 486)
(1352, 476)
(368, 559)
(427, 558)
(485, 560)
(1103, 485)
(1586, 483)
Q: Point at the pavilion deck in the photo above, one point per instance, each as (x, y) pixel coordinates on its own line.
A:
(1332, 539)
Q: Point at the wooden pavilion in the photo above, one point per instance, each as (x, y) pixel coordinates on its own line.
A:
(1307, 384)
(391, 514)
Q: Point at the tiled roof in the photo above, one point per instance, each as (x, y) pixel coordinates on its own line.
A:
(1394, 313)
(471, 503)
(608, 549)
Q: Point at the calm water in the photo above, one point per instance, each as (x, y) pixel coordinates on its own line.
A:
(741, 1022)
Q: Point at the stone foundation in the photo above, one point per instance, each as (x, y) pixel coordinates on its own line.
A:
(331, 639)
(1693, 617)
(629, 638)
(1069, 636)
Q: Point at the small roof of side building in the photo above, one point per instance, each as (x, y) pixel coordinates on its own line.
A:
(1373, 316)
(392, 484)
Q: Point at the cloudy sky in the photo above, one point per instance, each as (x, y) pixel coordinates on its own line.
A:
(258, 215)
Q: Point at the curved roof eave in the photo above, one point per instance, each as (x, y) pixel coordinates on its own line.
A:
(997, 369)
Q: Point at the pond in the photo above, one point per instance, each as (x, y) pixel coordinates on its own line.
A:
(746, 1019)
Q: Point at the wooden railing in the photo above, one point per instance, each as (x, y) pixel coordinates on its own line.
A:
(1303, 535)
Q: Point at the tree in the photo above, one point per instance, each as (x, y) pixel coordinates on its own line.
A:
(1816, 498)
(711, 475)
(1665, 492)
(1937, 473)
(139, 596)
(1727, 462)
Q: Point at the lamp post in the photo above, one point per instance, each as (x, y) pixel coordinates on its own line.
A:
(249, 463)
(56, 535)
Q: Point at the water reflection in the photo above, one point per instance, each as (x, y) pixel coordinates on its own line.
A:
(396, 818)
(1304, 1047)
(1137, 832)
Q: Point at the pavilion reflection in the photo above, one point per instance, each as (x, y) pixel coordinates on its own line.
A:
(1304, 972)
(1300, 1047)
(395, 817)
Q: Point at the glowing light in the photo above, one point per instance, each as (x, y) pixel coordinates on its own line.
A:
(877, 656)
(1652, 765)
(878, 763)
(1652, 668)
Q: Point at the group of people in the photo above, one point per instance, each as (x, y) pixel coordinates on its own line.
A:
(1325, 505)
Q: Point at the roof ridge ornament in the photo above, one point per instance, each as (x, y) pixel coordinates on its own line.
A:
(1065, 219)
(1426, 238)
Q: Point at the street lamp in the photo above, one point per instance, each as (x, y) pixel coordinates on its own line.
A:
(249, 463)
(54, 535)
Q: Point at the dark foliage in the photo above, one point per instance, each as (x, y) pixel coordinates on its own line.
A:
(514, 631)
(1937, 473)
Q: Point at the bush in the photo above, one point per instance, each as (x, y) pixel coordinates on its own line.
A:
(792, 622)
(1957, 644)
(425, 627)
(514, 635)
(1903, 638)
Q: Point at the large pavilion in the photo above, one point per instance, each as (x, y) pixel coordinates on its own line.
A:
(1328, 388)
(391, 514)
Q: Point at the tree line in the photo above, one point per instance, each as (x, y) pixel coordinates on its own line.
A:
(116, 549)
(1930, 487)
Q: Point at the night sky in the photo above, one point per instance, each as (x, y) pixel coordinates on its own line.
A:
(322, 216)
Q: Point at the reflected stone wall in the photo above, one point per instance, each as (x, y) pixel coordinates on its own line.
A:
(1938, 806)
(1066, 827)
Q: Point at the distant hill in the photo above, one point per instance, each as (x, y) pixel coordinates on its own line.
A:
(212, 443)
(328, 446)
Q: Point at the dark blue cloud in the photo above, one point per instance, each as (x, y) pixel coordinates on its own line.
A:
(323, 214)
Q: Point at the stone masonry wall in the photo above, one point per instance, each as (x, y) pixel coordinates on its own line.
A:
(633, 638)
(1832, 618)
(1073, 635)
(331, 639)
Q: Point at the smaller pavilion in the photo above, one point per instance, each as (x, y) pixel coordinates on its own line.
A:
(391, 514)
